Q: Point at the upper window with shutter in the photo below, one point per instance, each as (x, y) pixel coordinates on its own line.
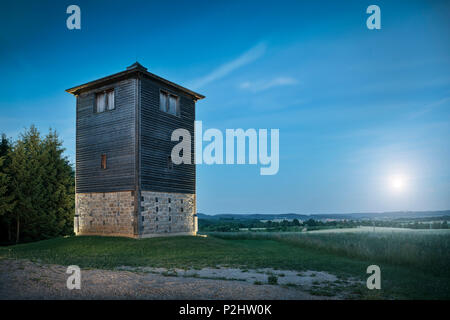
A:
(104, 101)
(169, 103)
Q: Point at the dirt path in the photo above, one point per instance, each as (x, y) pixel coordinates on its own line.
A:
(20, 279)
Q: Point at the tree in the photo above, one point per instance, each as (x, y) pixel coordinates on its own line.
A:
(6, 195)
(436, 225)
(311, 223)
(26, 174)
(43, 184)
(59, 186)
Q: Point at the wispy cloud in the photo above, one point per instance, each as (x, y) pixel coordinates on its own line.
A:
(429, 107)
(258, 86)
(225, 69)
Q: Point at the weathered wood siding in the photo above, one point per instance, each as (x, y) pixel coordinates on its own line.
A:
(111, 133)
(156, 128)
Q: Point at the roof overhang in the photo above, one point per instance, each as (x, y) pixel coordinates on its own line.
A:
(136, 68)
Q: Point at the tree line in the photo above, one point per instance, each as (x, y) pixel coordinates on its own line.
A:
(37, 188)
(230, 224)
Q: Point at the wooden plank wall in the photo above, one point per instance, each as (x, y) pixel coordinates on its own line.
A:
(156, 130)
(111, 133)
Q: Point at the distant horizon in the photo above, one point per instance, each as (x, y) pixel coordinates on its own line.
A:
(343, 213)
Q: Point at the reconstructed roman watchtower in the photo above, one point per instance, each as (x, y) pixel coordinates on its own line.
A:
(126, 182)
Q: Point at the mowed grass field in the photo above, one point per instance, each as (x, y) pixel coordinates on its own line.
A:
(414, 265)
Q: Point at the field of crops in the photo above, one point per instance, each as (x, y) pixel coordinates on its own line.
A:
(427, 250)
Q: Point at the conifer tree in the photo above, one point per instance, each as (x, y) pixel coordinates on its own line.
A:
(42, 181)
(59, 186)
(26, 182)
(6, 195)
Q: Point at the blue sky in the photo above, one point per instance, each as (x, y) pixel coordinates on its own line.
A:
(355, 107)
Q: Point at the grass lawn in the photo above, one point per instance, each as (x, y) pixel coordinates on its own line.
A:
(398, 281)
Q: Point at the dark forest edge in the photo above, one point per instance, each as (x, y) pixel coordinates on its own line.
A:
(36, 188)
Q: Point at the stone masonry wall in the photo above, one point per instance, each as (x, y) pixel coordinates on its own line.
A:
(164, 213)
(108, 213)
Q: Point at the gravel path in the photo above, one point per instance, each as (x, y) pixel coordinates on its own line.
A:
(21, 279)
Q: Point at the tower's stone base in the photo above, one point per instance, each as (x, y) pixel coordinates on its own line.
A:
(115, 214)
(108, 213)
(166, 213)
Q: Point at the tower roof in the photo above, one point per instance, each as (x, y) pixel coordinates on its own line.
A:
(131, 70)
(137, 65)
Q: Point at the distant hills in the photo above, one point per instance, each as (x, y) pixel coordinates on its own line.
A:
(337, 216)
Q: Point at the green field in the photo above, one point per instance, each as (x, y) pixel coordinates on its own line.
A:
(413, 264)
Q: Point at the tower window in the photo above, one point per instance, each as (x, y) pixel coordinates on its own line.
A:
(103, 163)
(169, 103)
(104, 101)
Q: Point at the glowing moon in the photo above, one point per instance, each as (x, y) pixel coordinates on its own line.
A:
(397, 183)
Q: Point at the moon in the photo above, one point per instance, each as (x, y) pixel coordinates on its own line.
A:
(397, 183)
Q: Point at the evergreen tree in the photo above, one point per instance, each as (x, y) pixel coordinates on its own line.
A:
(43, 184)
(60, 188)
(27, 183)
(6, 195)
